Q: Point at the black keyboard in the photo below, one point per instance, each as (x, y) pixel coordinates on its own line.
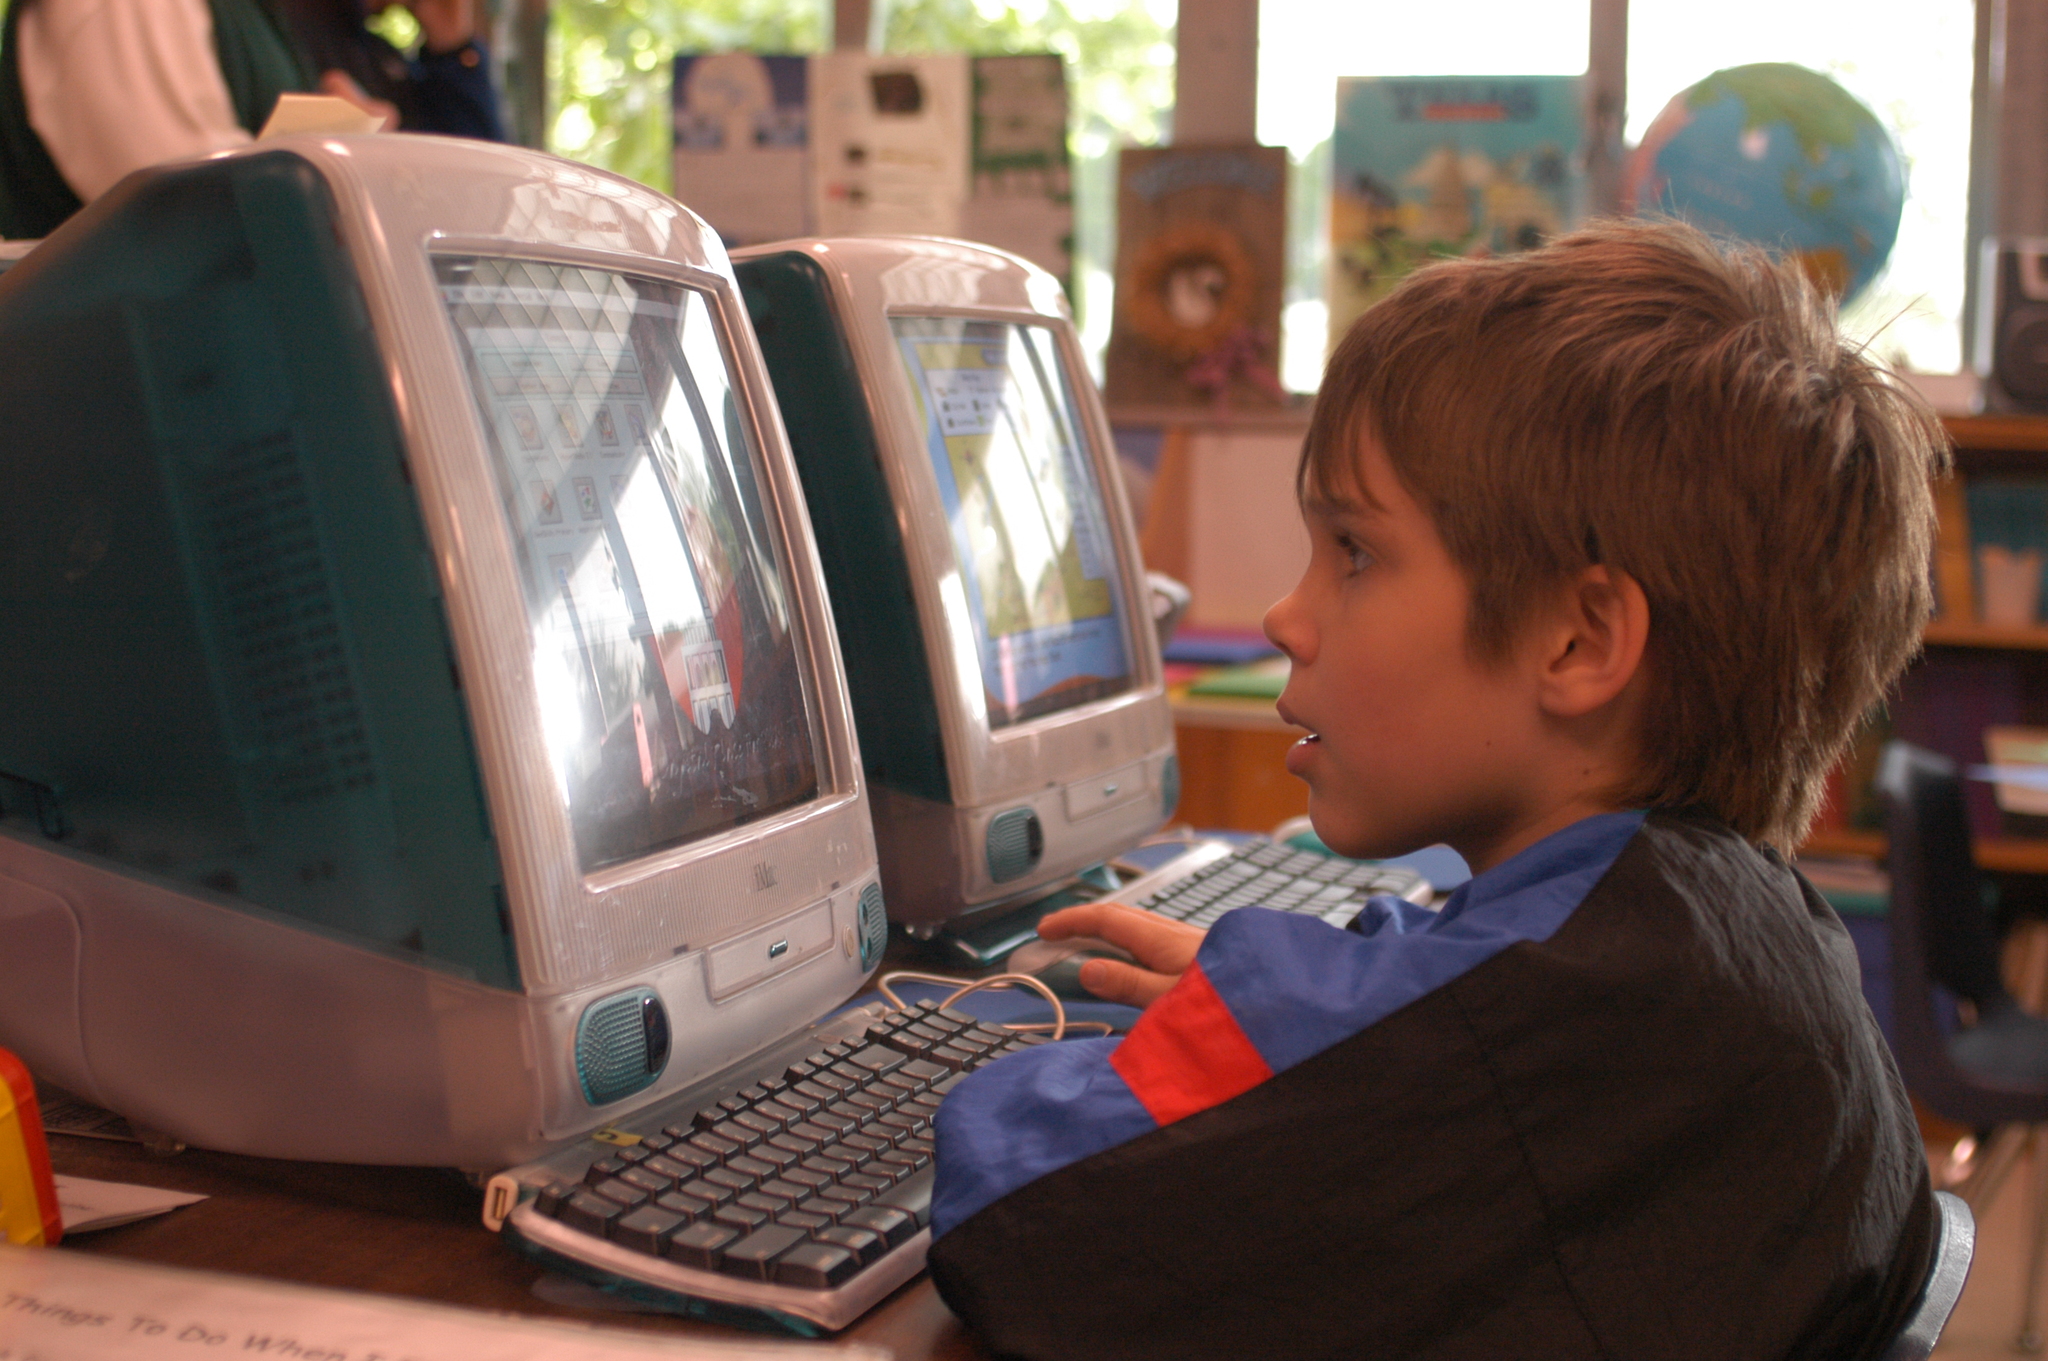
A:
(800, 1190)
(1276, 875)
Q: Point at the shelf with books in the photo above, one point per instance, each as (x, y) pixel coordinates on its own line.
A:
(2001, 854)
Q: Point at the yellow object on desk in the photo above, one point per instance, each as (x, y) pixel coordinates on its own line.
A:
(29, 1214)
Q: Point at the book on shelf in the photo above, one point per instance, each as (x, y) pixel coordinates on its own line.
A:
(1424, 167)
(1200, 269)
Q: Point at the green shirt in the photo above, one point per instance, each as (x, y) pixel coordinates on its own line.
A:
(256, 60)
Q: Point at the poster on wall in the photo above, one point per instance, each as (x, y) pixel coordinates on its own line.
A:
(1023, 193)
(742, 157)
(1200, 267)
(889, 149)
(1425, 167)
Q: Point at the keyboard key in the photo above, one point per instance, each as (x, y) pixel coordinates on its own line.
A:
(805, 1220)
(701, 1245)
(687, 1162)
(548, 1200)
(801, 1102)
(865, 1244)
(865, 1181)
(710, 1144)
(742, 1217)
(805, 1177)
(621, 1193)
(913, 1197)
(815, 1266)
(735, 1182)
(866, 1143)
(924, 1070)
(835, 1122)
(767, 1205)
(753, 1255)
(651, 1182)
(646, 1229)
(710, 1192)
(762, 1125)
(685, 1206)
(824, 1207)
(738, 1135)
(778, 1154)
(892, 1225)
(590, 1212)
(876, 1059)
(604, 1169)
(790, 1191)
(751, 1167)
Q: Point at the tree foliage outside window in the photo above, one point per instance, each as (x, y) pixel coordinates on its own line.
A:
(609, 66)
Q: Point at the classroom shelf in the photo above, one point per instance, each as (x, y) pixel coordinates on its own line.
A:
(2009, 855)
(1962, 633)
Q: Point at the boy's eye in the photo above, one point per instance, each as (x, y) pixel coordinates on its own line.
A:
(1356, 558)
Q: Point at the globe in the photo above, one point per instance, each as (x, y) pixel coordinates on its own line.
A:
(1780, 156)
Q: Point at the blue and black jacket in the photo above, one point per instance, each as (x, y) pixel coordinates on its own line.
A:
(1620, 1098)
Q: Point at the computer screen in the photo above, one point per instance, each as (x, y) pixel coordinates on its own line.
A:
(1026, 512)
(422, 738)
(670, 686)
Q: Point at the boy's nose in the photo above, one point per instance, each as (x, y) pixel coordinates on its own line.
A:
(1286, 626)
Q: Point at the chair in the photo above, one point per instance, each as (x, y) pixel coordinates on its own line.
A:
(1953, 1248)
(1991, 1075)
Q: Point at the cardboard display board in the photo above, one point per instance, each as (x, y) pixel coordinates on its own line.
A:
(1201, 265)
(1023, 195)
(742, 133)
(889, 144)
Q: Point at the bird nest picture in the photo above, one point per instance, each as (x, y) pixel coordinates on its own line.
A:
(1190, 289)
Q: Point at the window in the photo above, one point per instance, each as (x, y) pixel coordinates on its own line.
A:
(609, 67)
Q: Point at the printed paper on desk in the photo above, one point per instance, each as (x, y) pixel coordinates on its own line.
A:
(89, 1204)
(60, 1305)
(318, 113)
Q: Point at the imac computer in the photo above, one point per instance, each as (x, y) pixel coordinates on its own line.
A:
(422, 732)
(993, 612)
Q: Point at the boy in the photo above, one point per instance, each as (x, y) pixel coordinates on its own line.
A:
(1612, 545)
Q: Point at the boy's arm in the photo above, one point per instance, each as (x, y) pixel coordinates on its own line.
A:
(1163, 948)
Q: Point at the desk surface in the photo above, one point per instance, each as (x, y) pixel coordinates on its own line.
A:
(405, 1231)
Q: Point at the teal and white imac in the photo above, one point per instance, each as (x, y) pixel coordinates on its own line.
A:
(422, 733)
(992, 607)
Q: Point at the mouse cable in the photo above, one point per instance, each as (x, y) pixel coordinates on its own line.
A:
(962, 987)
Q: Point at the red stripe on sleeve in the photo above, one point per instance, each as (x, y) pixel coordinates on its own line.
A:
(1187, 1052)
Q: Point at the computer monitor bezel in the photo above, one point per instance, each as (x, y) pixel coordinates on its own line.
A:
(546, 889)
(1045, 761)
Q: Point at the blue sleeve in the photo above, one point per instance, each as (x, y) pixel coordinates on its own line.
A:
(1267, 990)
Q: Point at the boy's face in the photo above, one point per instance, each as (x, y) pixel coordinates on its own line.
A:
(1413, 742)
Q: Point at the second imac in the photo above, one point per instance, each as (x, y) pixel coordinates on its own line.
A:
(984, 574)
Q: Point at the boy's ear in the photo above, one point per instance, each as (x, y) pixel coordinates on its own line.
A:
(1595, 646)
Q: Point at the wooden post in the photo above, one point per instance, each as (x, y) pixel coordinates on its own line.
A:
(1606, 105)
(1216, 73)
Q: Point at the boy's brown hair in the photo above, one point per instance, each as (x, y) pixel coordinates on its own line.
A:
(1636, 395)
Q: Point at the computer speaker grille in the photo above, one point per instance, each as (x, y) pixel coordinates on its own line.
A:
(1015, 841)
(621, 1045)
(874, 926)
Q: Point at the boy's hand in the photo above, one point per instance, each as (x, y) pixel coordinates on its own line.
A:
(1163, 948)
